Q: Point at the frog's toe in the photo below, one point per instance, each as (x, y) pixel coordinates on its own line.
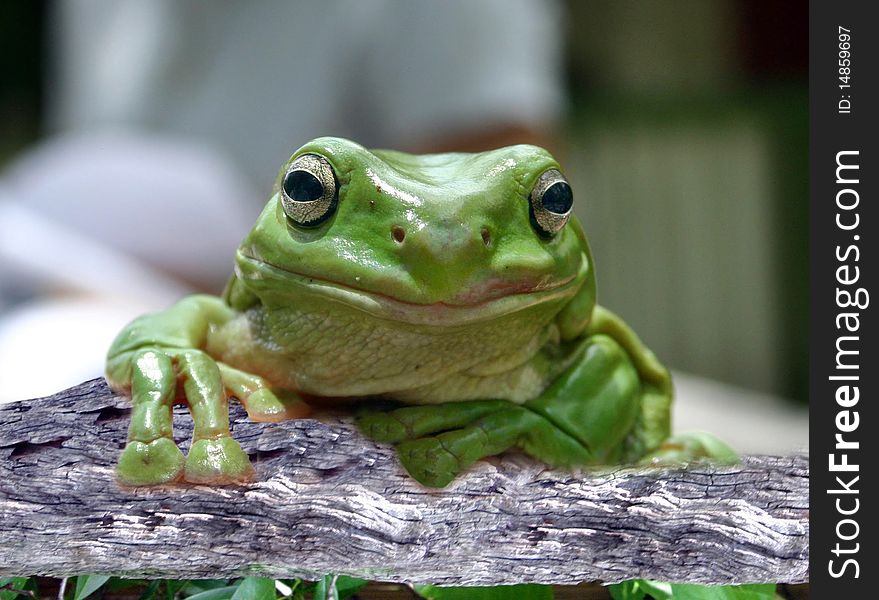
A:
(429, 462)
(219, 461)
(264, 406)
(150, 463)
(382, 427)
(692, 446)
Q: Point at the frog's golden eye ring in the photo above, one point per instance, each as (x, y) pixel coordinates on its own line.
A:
(551, 202)
(309, 190)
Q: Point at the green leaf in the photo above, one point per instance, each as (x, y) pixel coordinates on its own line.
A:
(172, 586)
(348, 586)
(325, 589)
(337, 587)
(658, 590)
(150, 592)
(500, 592)
(639, 589)
(627, 590)
(13, 585)
(195, 586)
(86, 585)
(223, 593)
(687, 591)
(256, 588)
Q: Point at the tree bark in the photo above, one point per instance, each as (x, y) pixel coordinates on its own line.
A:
(328, 500)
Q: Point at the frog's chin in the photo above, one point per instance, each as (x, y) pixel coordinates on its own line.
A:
(265, 277)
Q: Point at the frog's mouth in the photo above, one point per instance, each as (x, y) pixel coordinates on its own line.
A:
(263, 276)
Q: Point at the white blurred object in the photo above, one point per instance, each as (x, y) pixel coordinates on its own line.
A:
(41, 253)
(97, 229)
(50, 345)
(260, 78)
(751, 422)
(166, 202)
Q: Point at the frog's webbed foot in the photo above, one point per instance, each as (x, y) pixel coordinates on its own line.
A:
(219, 461)
(150, 463)
(464, 433)
(689, 447)
(158, 375)
(215, 457)
(151, 457)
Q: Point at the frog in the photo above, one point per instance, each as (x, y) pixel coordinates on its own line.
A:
(448, 299)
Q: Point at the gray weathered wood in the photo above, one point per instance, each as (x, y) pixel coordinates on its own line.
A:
(328, 500)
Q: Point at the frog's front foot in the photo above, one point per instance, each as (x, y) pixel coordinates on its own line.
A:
(219, 461)
(151, 457)
(150, 463)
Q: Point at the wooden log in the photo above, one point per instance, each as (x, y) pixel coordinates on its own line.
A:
(327, 500)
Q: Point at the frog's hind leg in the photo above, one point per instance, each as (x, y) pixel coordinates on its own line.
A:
(436, 460)
(214, 457)
(411, 422)
(464, 433)
(151, 457)
(261, 403)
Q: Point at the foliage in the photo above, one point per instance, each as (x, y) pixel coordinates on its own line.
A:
(17, 587)
(643, 589)
(340, 587)
(86, 585)
(500, 592)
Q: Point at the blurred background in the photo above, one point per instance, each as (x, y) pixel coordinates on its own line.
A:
(139, 140)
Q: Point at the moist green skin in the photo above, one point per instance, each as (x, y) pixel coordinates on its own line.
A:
(429, 286)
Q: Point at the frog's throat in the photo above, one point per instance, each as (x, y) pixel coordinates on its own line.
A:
(262, 277)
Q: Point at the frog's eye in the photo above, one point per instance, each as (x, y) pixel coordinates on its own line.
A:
(551, 201)
(309, 191)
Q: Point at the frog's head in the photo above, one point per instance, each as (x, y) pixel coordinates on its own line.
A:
(431, 238)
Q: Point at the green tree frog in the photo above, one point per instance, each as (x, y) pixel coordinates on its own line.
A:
(459, 286)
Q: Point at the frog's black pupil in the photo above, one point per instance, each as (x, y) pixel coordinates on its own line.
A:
(558, 198)
(302, 186)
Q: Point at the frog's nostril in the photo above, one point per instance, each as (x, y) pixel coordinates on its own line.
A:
(486, 237)
(398, 233)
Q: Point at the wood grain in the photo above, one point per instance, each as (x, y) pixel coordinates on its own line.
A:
(329, 500)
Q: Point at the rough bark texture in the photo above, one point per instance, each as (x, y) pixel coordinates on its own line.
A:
(328, 500)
